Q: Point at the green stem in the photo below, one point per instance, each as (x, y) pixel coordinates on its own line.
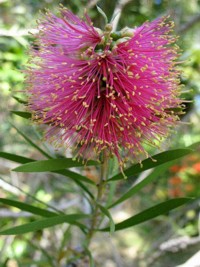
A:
(101, 187)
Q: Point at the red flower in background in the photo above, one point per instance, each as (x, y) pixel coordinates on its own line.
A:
(175, 168)
(100, 92)
(175, 180)
(196, 167)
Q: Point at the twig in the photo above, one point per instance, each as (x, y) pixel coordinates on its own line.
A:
(101, 188)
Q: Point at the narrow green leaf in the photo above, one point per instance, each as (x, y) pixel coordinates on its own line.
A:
(150, 213)
(68, 173)
(51, 165)
(23, 114)
(102, 13)
(64, 239)
(15, 158)
(31, 143)
(90, 256)
(194, 146)
(20, 100)
(45, 252)
(44, 223)
(146, 164)
(107, 213)
(75, 176)
(28, 208)
(148, 179)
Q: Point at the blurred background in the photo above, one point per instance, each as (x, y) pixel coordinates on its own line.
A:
(168, 241)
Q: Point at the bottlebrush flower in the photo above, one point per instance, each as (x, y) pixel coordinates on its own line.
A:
(100, 90)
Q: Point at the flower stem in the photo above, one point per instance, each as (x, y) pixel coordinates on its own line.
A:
(101, 187)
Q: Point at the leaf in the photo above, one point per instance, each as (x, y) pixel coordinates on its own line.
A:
(20, 100)
(102, 13)
(90, 256)
(23, 114)
(15, 158)
(45, 223)
(41, 249)
(66, 174)
(31, 143)
(77, 179)
(146, 164)
(64, 239)
(148, 179)
(150, 213)
(28, 208)
(107, 213)
(51, 165)
(194, 146)
(75, 176)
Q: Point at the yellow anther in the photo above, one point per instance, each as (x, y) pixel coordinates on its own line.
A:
(85, 104)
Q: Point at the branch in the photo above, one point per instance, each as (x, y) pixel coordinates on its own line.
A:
(180, 243)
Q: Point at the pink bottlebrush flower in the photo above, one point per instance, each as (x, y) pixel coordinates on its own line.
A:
(100, 90)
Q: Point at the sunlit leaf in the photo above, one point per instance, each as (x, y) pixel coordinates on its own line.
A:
(51, 165)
